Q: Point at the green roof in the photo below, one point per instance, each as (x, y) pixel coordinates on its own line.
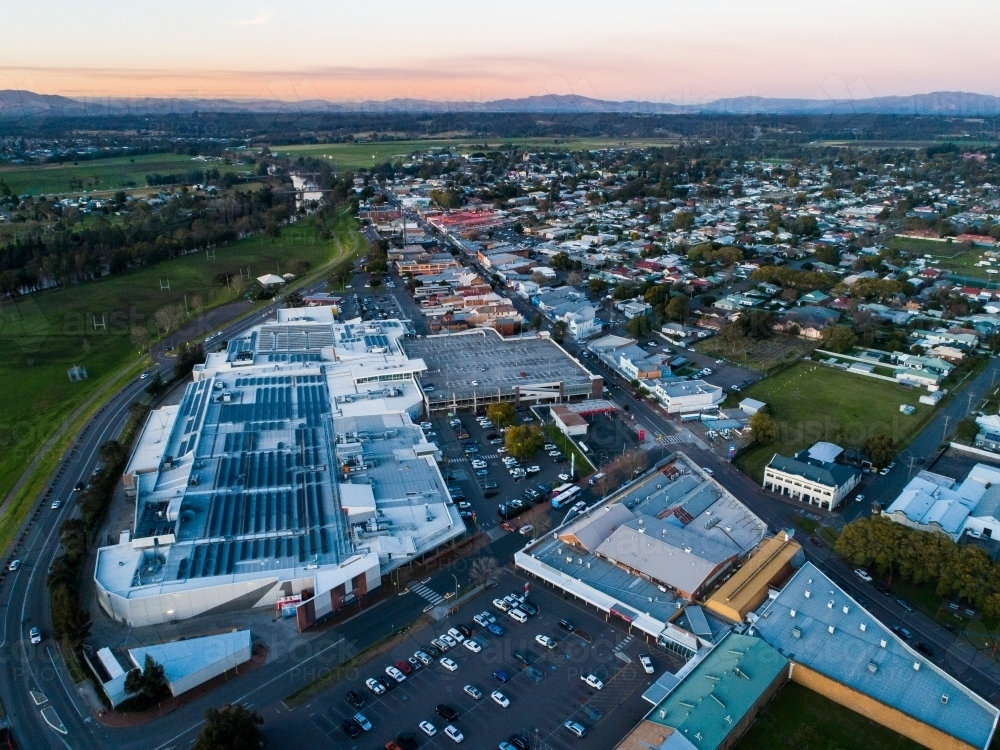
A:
(720, 690)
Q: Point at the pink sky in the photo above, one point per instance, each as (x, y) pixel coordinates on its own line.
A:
(655, 51)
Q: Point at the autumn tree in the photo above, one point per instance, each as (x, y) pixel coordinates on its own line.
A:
(524, 441)
(763, 428)
(501, 414)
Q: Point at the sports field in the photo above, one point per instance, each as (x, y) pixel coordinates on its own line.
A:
(951, 256)
(813, 402)
(119, 173)
(42, 335)
(800, 719)
(358, 155)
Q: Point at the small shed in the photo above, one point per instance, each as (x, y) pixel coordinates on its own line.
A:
(751, 405)
(269, 280)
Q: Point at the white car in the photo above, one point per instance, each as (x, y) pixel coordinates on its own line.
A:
(863, 575)
(564, 477)
(450, 639)
(501, 450)
(453, 733)
(483, 619)
(501, 605)
(375, 686)
(56, 504)
(473, 692)
(478, 463)
(707, 470)
(544, 640)
(591, 679)
(859, 498)
(500, 698)
(449, 664)
(395, 674)
(518, 616)
(526, 530)
(427, 728)
(554, 454)
(533, 469)
(455, 634)
(577, 507)
(14, 565)
(423, 658)
(472, 645)
(36, 635)
(647, 663)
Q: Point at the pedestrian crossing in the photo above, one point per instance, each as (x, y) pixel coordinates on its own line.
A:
(624, 644)
(427, 593)
(672, 439)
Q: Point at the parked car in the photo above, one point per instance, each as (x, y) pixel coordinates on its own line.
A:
(566, 625)
(500, 699)
(544, 640)
(473, 692)
(450, 664)
(395, 674)
(502, 676)
(363, 722)
(816, 542)
(452, 733)
(904, 604)
(924, 649)
(593, 681)
(902, 632)
(351, 728)
(575, 728)
(427, 728)
(446, 712)
(495, 629)
(472, 646)
(423, 657)
(357, 701)
(455, 634)
(375, 686)
(863, 575)
(647, 663)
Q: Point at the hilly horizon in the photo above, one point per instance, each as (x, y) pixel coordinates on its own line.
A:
(19, 104)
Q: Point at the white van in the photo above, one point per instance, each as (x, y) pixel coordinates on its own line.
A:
(518, 616)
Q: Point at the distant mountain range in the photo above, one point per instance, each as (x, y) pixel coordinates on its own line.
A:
(15, 104)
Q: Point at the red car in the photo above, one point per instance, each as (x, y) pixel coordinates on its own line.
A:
(405, 667)
(508, 526)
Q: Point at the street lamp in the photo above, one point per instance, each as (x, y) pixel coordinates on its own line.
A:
(456, 584)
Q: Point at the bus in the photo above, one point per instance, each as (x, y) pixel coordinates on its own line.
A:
(565, 498)
(562, 488)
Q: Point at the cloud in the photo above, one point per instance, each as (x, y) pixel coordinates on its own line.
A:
(259, 20)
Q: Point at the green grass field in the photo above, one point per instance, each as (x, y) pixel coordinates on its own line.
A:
(357, 155)
(813, 402)
(950, 256)
(102, 174)
(45, 334)
(800, 719)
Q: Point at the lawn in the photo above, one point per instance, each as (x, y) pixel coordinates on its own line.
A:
(950, 256)
(763, 356)
(118, 173)
(45, 334)
(357, 155)
(813, 402)
(800, 719)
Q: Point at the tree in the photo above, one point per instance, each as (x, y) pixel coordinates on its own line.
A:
(156, 385)
(756, 324)
(827, 254)
(501, 414)
(880, 449)
(484, 569)
(188, 355)
(231, 728)
(634, 462)
(524, 441)
(638, 326)
(539, 278)
(140, 337)
(559, 330)
(763, 428)
(574, 279)
(677, 308)
(294, 299)
(682, 220)
(597, 286)
(150, 681)
(111, 453)
(341, 274)
(839, 339)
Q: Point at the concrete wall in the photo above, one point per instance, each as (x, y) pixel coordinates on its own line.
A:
(870, 708)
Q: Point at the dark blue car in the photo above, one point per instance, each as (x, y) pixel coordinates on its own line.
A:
(501, 675)
(495, 629)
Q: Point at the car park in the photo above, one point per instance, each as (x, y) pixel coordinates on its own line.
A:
(593, 681)
(500, 699)
(450, 664)
(427, 728)
(647, 663)
(473, 692)
(452, 733)
(375, 686)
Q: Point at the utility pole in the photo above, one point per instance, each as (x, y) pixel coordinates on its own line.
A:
(913, 460)
(946, 420)
(969, 407)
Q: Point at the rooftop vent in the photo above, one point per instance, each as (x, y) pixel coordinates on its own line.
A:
(829, 604)
(791, 613)
(873, 666)
(846, 609)
(830, 629)
(797, 632)
(882, 643)
(916, 666)
(944, 699)
(863, 626)
(807, 593)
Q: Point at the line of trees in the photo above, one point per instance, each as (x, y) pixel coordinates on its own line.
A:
(924, 558)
